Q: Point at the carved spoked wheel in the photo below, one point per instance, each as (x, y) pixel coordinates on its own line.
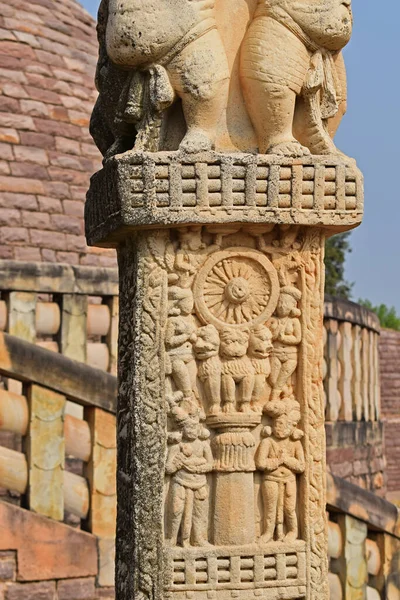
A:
(236, 287)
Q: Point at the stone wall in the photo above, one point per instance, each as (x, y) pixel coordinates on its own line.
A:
(41, 559)
(355, 452)
(389, 352)
(48, 53)
(354, 429)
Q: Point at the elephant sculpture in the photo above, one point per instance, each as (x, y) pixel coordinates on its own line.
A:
(293, 75)
(151, 53)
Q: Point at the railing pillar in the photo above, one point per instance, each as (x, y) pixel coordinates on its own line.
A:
(22, 315)
(112, 336)
(45, 447)
(333, 370)
(353, 568)
(74, 309)
(101, 473)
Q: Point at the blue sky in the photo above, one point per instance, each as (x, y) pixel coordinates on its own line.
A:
(370, 132)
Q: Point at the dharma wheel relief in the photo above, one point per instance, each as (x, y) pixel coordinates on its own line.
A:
(219, 187)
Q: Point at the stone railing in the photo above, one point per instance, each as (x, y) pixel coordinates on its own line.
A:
(46, 438)
(351, 362)
(352, 389)
(71, 310)
(74, 311)
(364, 530)
(364, 544)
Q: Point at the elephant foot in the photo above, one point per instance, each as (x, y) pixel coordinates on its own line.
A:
(291, 148)
(215, 409)
(196, 140)
(246, 408)
(229, 407)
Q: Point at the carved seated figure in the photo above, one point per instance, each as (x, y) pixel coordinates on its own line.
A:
(281, 457)
(260, 348)
(175, 50)
(237, 368)
(188, 461)
(293, 74)
(206, 345)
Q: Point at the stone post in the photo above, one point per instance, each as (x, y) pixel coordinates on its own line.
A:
(220, 214)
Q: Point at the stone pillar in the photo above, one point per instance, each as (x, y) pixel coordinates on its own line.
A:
(221, 402)
(234, 466)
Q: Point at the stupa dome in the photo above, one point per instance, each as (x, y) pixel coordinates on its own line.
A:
(48, 53)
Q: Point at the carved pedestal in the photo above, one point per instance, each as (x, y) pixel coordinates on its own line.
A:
(233, 449)
(221, 447)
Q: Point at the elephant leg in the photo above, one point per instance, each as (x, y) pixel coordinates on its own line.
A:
(309, 127)
(200, 77)
(271, 108)
(334, 122)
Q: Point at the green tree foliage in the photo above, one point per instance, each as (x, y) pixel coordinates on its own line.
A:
(387, 316)
(337, 247)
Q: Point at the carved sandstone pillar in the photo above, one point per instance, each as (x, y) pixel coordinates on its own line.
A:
(221, 444)
(204, 315)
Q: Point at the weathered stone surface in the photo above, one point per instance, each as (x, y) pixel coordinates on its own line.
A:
(33, 591)
(46, 452)
(8, 566)
(233, 405)
(77, 589)
(69, 377)
(35, 538)
(165, 189)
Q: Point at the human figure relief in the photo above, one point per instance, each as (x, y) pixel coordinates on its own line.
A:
(180, 363)
(286, 333)
(188, 461)
(168, 49)
(260, 348)
(237, 369)
(191, 254)
(206, 344)
(284, 253)
(293, 74)
(281, 457)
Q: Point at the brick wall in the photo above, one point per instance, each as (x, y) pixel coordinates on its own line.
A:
(41, 559)
(355, 452)
(389, 354)
(48, 53)
(63, 589)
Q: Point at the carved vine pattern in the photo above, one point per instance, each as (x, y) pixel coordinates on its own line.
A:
(313, 284)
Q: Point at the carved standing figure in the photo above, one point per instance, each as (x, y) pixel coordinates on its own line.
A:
(167, 49)
(188, 461)
(180, 363)
(237, 368)
(191, 254)
(281, 457)
(260, 348)
(286, 332)
(293, 74)
(206, 345)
